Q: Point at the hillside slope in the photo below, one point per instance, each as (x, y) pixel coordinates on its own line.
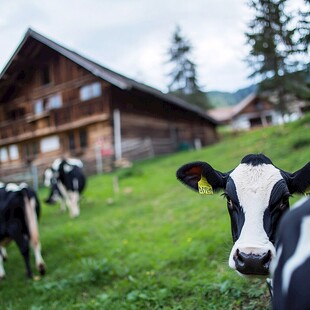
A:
(155, 244)
(220, 99)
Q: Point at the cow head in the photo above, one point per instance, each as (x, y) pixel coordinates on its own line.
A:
(49, 177)
(257, 196)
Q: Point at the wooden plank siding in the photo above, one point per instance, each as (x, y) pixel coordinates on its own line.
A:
(148, 117)
(41, 69)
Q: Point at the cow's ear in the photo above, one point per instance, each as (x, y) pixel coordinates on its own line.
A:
(201, 177)
(299, 181)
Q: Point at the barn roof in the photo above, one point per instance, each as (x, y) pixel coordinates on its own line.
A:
(96, 69)
(227, 113)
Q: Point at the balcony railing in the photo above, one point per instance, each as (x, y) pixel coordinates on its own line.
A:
(14, 128)
(76, 112)
(54, 118)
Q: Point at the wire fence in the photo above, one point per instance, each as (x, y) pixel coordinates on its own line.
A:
(95, 163)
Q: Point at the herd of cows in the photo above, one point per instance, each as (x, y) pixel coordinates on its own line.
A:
(269, 239)
(20, 209)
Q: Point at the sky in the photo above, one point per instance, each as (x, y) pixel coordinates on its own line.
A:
(132, 37)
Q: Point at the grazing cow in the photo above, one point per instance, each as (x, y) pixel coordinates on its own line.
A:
(257, 194)
(19, 213)
(55, 194)
(66, 181)
(291, 268)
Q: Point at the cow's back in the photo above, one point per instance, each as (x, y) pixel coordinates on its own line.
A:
(73, 178)
(11, 209)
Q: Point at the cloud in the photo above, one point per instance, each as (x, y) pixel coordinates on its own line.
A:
(133, 36)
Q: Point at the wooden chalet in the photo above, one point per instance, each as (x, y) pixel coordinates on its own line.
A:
(253, 111)
(55, 102)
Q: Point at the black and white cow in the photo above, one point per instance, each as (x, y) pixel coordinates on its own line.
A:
(257, 195)
(291, 267)
(19, 213)
(66, 180)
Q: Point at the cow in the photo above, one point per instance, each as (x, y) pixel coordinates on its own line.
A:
(257, 194)
(290, 269)
(66, 181)
(19, 213)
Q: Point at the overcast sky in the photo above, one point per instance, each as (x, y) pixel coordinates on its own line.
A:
(132, 37)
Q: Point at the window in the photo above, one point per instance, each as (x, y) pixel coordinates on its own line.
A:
(49, 103)
(38, 107)
(4, 155)
(90, 91)
(49, 144)
(54, 102)
(13, 151)
(259, 106)
(45, 75)
(71, 141)
(83, 138)
(31, 149)
(16, 113)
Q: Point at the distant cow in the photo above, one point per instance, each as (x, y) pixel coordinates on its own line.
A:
(66, 181)
(19, 213)
(257, 194)
(291, 268)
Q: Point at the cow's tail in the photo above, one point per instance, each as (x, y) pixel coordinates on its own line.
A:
(31, 211)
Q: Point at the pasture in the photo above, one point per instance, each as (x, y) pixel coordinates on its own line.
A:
(155, 244)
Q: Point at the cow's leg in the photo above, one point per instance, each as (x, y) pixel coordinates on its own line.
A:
(62, 203)
(23, 244)
(66, 196)
(3, 253)
(32, 222)
(74, 199)
(2, 272)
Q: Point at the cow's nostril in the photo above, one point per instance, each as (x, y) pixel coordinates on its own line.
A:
(239, 258)
(266, 259)
(249, 263)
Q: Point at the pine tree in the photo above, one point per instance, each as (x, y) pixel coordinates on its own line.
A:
(184, 74)
(304, 28)
(271, 43)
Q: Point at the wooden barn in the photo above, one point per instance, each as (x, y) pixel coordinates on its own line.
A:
(253, 111)
(55, 102)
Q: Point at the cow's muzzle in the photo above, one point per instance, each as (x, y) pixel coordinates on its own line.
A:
(252, 264)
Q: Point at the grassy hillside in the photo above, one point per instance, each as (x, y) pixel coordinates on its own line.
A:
(156, 244)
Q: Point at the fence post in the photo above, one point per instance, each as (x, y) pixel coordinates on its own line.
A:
(99, 167)
(35, 179)
(149, 143)
(117, 134)
(197, 144)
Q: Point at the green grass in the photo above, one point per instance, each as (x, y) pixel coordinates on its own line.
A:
(156, 244)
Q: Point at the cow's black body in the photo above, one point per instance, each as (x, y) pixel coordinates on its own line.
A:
(15, 223)
(68, 178)
(291, 275)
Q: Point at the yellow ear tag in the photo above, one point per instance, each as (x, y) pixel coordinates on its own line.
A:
(204, 187)
(307, 191)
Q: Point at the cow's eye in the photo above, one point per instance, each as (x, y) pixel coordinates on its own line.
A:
(230, 204)
(284, 202)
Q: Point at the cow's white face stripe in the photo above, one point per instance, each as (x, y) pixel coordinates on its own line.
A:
(48, 174)
(254, 185)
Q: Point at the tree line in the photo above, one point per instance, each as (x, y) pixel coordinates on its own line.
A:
(278, 57)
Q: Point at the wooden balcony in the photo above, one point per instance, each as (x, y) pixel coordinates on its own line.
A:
(53, 121)
(75, 112)
(14, 128)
